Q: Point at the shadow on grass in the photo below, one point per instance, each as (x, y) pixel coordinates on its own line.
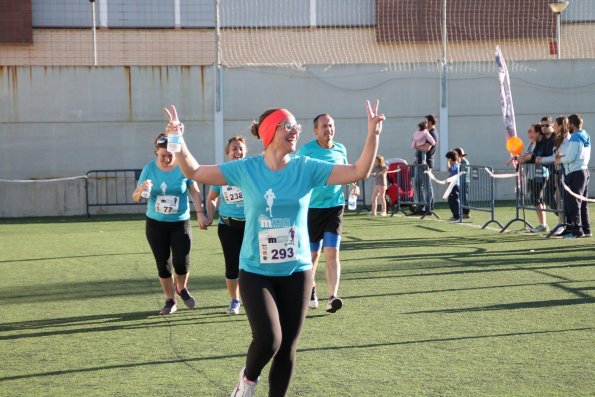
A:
(346, 275)
(305, 350)
(84, 290)
(28, 260)
(114, 322)
(575, 291)
(348, 243)
(515, 306)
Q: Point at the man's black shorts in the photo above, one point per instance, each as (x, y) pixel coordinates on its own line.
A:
(322, 220)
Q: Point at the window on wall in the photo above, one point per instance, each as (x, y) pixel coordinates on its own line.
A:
(15, 22)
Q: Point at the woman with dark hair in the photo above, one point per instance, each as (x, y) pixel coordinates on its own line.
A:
(167, 226)
(562, 138)
(232, 221)
(275, 261)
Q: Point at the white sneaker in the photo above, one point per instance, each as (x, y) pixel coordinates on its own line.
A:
(313, 304)
(540, 229)
(234, 307)
(245, 387)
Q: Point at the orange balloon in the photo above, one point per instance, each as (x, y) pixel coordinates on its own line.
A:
(514, 145)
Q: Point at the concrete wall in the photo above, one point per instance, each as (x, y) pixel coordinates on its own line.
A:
(58, 122)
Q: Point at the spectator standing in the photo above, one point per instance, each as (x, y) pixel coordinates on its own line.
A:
(465, 180)
(421, 142)
(454, 203)
(562, 138)
(576, 165)
(536, 176)
(380, 185)
(431, 119)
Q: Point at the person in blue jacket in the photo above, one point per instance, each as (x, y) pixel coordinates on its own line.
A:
(275, 261)
(576, 176)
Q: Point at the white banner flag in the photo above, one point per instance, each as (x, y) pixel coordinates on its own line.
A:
(505, 95)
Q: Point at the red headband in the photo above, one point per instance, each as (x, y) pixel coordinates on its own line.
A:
(267, 128)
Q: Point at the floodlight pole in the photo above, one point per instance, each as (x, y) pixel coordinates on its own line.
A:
(443, 116)
(94, 35)
(218, 88)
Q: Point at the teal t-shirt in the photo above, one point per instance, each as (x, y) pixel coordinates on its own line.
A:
(231, 201)
(329, 195)
(276, 239)
(169, 195)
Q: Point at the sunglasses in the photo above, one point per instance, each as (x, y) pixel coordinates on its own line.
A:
(290, 126)
(162, 140)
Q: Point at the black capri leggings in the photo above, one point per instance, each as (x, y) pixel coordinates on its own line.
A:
(170, 243)
(231, 238)
(276, 308)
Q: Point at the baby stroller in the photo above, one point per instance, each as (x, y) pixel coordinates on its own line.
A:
(399, 192)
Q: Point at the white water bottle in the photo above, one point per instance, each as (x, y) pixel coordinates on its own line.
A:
(174, 144)
(146, 193)
(352, 201)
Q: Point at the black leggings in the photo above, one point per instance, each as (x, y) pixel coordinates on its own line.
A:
(276, 308)
(231, 241)
(170, 243)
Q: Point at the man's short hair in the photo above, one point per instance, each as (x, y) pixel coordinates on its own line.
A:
(431, 118)
(319, 116)
(576, 120)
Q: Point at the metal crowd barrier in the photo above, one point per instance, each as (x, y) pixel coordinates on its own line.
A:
(539, 183)
(106, 188)
(114, 188)
(477, 191)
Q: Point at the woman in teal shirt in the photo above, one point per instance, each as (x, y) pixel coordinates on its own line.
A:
(275, 262)
(232, 222)
(167, 226)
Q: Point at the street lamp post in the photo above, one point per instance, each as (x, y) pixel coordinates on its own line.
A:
(557, 9)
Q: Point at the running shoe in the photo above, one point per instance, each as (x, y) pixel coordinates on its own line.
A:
(572, 235)
(245, 387)
(169, 308)
(187, 298)
(313, 299)
(234, 307)
(540, 229)
(333, 304)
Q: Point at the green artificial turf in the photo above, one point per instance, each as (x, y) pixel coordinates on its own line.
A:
(431, 308)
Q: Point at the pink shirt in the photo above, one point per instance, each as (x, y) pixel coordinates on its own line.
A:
(422, 137)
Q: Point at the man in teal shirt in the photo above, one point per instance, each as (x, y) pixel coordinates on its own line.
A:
(325, 213)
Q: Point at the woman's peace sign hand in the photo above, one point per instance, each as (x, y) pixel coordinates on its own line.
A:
(374, 119)
(173, 125)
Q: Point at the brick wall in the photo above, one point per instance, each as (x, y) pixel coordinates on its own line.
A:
(16, 22)
(421, 20)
